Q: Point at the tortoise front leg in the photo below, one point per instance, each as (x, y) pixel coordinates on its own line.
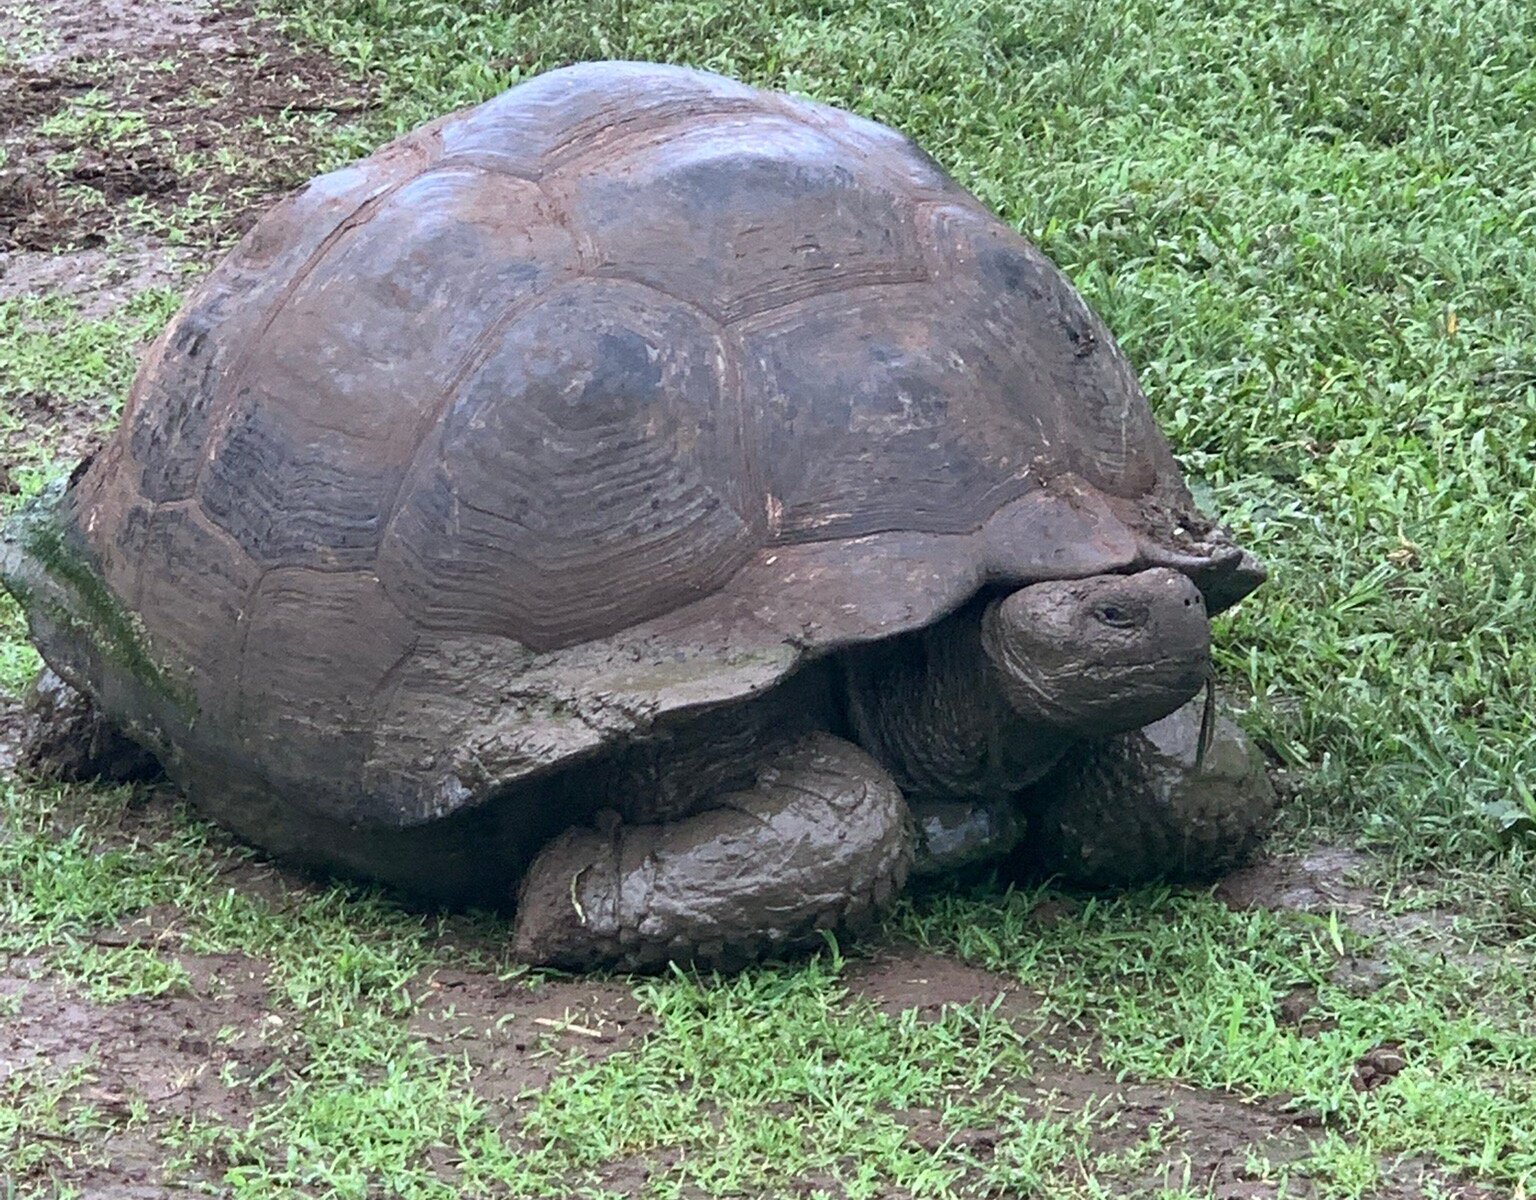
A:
(822, 841)
(1147, 805)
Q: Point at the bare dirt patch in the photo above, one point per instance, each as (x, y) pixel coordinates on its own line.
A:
(515, 1037)
(900, 979)
(55, 32)
(134, 1067)
(1331, 880)
(1210, 1135)
(1323, 879)
(71, 430)
(138, 108)
(97, 281)
(1212, 1141)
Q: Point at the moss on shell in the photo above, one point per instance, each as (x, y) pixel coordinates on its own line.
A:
(81, 602)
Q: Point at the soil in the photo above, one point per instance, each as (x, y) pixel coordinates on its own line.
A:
(1330, 879)
(170, 1054)
(140, 106)
(1210, 1133)
(514, 1037)
(96, 280)
(1318, 881)
(72, 430)
(904, 979)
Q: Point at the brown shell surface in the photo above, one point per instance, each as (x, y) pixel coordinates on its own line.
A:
(617, 395)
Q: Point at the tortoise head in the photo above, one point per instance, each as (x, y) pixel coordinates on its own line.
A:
(1102, 655)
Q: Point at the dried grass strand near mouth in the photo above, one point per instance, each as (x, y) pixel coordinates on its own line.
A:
(1207, 719)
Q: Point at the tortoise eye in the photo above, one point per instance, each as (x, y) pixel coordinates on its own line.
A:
(1116, 616)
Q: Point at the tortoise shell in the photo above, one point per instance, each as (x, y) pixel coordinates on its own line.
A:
(616, 396)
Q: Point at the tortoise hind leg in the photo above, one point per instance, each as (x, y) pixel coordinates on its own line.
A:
(68, 739)
(821, 841)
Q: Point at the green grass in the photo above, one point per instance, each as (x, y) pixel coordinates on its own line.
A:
(79, 366)
(27, 32)
(751, 1085)
(18, 661)
(1313, 227)
(92, 118)
(37, 1123)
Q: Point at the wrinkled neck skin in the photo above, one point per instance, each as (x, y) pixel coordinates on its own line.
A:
(986, 701)
(932, 709)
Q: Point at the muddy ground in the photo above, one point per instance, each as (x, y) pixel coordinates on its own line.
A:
(99, 208)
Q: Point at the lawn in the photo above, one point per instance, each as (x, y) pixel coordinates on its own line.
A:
(1311, 224)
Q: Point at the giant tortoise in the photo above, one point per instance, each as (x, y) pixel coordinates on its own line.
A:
(672, 507)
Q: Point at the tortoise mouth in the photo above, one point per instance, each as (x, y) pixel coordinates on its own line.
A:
(1101, 701)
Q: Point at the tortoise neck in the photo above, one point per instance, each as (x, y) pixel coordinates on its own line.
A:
(931, 708)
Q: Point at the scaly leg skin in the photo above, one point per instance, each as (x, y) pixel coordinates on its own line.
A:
(1134, 808)
(70, 741)
(822, 841)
